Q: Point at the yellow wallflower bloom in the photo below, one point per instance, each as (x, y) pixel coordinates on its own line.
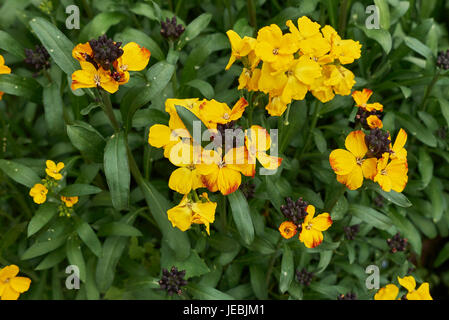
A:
(240, 47)
(391, 175)
(224, 174)
(134, 58)
(39, 193)
(187, 212)
(12, 286)
(422, 293)
(3, 70)
(398, 150)
(161, 136)
(306, 28)
(312, 228)
(53, 169)
(340, 79)
(361, 99)
(276, 106)
(213, 112)
(274, 47)
(249, 79)
(288, 229)
(389, 292)
(374, 122)
(82, 51)
(192, 105)
(89, 77)
(257, 142)
(351, 166)
(69, 201)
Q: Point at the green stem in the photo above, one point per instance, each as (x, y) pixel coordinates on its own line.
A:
(286, 115)
(273, 258)
(252, 14)
(429, 89)
(107, 107)
(343, 15)
(315, 116)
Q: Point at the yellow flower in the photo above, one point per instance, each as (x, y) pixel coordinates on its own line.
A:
(391, 175)
(187, 177)
(69, 201)
(134, 58)
(274, 47)
(374, 122)
(39, 193)
(213, 112)
(340, 79)
(351, 166)
(240, 47)
(82, 51)
(389, 292)
(288, 229)
(161, 136)
(398, 150)
(409, 283)
(312, 228)
(257, 142)
(3, 70)
(249, 79)
(89, 77)
(223, 174)
(306, 28)
(53, 169)
(187, 212)
(193, 105)
(361, 100)
(12, 286)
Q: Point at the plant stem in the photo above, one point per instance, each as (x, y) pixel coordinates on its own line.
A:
(252, 14)
(316, 113)
(342, 24)
(429, 89)
(107, 107)
(286, 115)
(273, 258)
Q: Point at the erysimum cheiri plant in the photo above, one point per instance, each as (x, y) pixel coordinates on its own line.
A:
(218, 150)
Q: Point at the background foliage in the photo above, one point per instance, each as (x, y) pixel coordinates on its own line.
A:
(121, 248)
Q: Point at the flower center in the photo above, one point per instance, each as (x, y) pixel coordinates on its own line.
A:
(309, 226)
(226, 116)
(275, 51)
(221, 164)
(124, 67)
(359, 161)
(191, 167)
(383, 172)
(97, 79)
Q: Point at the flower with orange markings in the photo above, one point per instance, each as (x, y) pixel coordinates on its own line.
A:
(288, 229)
(374, 122)
(69, 201)
(391, 175)
(312, 228)
(361, 99)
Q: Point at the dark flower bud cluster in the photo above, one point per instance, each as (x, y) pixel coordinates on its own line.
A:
(249, 189)
(362, 117)
(351, 231)
(379, 201)
(221, 128)
(397, 243)
(171, 28)
(295, 211)
(443, 60)
(105, 51)
(38, 58)
(304, 277)
(172, 281)
(378, 142)
(348, 296)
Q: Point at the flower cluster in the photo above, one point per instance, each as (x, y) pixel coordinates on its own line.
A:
(219, 169)
(170, 29)
(397, 243)
(105, 64)
(368, 113)
(443, 60)
(11, 286)
(300, 218)
(38, 58)
(308, 58)
(391, 291)
(371, 155)
(40, 191)
(304, 277)
(4, 69)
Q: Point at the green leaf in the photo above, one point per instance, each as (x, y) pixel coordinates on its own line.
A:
(89, 237)
(57, 44)
(89, 141)
(384, 13)
(242, 216)
(382, 37)
(75, 256)
(425, 166)
(193, 265)
(418, 47)
(20, 86)
(118, 229)
(407, 229)
(204, 87)
(201, 292)
(85, 111)
(43, 247)
(100, 25)
(395, 197)
(19, 173)
(371, 216)
(320, 141)
(444, 104)
(325, 259)
(177, 240)
(8, 43)
(52, 259)
(258, 282)
(287, 269)
(44, 214)
(79, 189)
(189, 120)
(194, 28)
(145, 10)
(434, 191)
(116, 169)
(443, 255)
(417, 129)
(113, 249)
(53, 108)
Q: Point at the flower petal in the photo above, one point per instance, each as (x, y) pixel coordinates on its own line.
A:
(342, 161)
(355, 143)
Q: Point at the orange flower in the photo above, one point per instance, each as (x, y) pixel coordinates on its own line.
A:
(312, 228)
(361, 98)
(288, 229)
